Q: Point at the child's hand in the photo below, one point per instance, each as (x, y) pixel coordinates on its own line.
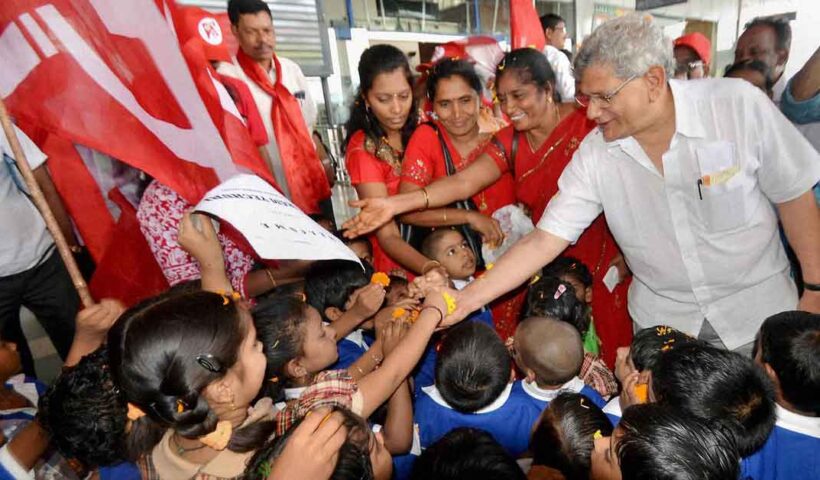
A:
(623, 366)
(312, 450)
(432, 280)
(487, 227)
(366, 301)
(392, 334)
(202, 242)
(93, 322)
(629, 396)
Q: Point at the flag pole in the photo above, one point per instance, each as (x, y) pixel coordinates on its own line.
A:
(40, 202)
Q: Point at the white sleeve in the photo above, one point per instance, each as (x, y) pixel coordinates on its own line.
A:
(577, 203)
(33, 154)
(564, 80)
(11, 465)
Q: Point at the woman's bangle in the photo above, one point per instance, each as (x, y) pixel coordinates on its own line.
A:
(440, 313)
(445, 215)
(426, 198)
(375, 359)
(429, 265)
(270, 277)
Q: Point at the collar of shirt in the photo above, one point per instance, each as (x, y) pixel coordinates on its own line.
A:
(357, 337)
(294, 393)
(460, 284)
(499, 402)
(530, 388)
(614, 407)
(798, 423)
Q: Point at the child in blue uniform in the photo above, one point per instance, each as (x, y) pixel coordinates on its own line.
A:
(549, 353)
(788, 349)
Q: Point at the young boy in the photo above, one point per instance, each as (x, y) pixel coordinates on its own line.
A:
(634, 365)
(660, 442)
(451, 250)
(550, 354)
(788, 350)
(472, 389)
(721, 386)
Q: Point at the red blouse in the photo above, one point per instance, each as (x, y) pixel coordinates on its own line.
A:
(424, 162)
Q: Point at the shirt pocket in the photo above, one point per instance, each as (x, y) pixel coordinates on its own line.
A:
(721, 187)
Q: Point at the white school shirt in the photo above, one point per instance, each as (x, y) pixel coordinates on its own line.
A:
(697, 251)
(564, 79)
(25, 239)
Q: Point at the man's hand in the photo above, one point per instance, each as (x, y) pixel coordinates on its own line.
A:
(312, 450)
(375, 213)
(94, 322)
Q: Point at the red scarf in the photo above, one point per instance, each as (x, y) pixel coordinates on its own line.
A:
(305, 175)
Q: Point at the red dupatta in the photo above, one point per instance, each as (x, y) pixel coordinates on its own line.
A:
(305, 175)
(536, 181)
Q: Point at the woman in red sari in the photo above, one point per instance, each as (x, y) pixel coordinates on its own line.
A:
(535, 148)
(454, 90)
(381, 121)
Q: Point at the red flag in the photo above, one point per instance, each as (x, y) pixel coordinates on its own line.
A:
(525, 27)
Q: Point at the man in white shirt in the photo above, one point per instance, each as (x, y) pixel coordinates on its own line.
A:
(767, 40)
(31, 271)
(555, 32)
(692, 177)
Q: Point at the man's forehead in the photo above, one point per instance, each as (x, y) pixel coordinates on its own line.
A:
(256, 20)
(756, 35)
(687, 53)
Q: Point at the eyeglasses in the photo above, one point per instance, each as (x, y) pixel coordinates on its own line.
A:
(606, 99)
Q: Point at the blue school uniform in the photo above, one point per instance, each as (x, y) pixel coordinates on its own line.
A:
(351, 348)
(539, 398)
(613, 410)
(508, 419)
(792, 450)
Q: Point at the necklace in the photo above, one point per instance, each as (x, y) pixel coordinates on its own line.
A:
(542, 160)
(385, 152)
(182, 450)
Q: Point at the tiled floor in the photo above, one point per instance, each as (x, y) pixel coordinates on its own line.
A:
(46, 361)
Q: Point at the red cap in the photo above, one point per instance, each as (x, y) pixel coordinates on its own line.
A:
(202, 26)
(697, 42)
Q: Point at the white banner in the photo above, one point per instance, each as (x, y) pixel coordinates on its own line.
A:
(273, 226)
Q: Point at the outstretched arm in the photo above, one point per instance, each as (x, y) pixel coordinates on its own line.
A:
(801, 222)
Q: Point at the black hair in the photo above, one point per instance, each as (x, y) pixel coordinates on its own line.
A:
(363, 240)
(541, 302)
(279, 321)
(752, 65)
(84, 413)
(374, 61)
(430, 242)
(569, 267)
(659, 442)
(472, 367)
(649, 344)
(242, 7)
(449, 67)
(530, 66)
(330, 283)
(789, 343)
(551, 20)
(563, 438)
(353, 462)
(164, 352)
(720, 385)
(466, 453)
(781, 27)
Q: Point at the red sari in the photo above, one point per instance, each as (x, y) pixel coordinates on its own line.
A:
(365, 167)
(424, 162)
(536, 180)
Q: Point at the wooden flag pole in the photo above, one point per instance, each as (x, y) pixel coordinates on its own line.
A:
(40, 202)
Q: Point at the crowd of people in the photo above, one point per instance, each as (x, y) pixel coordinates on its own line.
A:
(658, 316)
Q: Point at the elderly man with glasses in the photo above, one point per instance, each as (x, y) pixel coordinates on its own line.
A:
(692, 177)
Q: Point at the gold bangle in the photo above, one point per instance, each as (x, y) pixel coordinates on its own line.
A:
(429, 265)
(270, 277)
(426, 198)
(375, 359)
(440, 313)
(445, 215)
(360, 370)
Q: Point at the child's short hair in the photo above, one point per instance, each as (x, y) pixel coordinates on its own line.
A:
(279, 320)
(361, 241)
(789, 342)
(354, 455)
(466, 453)
(649, 344)
(429, 245)
(552, 349)
(330, 283)
(553, 298)
(715, 384)
(659, 442)
(563, 438)
(570, 267)
(473, 367)
(85, 414)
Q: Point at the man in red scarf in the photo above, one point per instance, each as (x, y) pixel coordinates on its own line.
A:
(280, 91)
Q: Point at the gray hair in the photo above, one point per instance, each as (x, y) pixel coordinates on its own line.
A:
(629, 44)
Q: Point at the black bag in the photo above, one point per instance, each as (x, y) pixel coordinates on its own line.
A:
(414, 235)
